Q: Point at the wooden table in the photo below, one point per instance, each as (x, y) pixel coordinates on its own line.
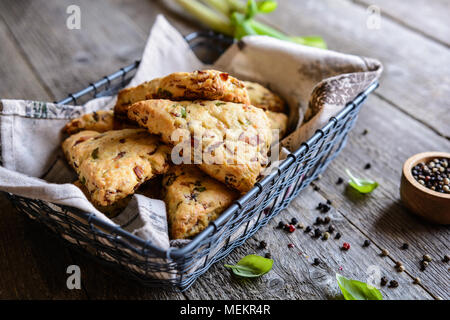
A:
(41, 59)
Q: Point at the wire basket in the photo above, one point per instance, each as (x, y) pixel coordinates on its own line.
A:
(179, 267)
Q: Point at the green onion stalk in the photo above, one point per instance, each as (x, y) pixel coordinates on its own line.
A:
(236, 19)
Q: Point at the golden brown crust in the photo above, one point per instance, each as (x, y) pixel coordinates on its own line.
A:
(100, 121)
(279, 121)
(263, 98)
(197, 85)
(113, 164)
(235, 138)
(193, 200)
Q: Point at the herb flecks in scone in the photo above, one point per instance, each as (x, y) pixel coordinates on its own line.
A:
(112, 165)
(234, 139)
(193, 200)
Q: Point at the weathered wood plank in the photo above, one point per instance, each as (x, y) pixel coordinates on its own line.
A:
(24, 248)
(429, 18)
(294, 276)
(144, 13)
(67, 60)
(392, 138)
(416, 69)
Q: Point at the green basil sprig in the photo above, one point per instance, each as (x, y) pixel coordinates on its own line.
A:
(251, 266)
(357, 290)
(362, 185)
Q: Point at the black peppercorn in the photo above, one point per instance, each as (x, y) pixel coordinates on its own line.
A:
(319, 220)
(338, 235)
(316, 261)
(294, 221)
(384, 281)
(367, 166)
(308, 229)
(366, 243)
(329, 202)
(446, 258)
(405, 246)
(268, 255)
(393, 284)
(263, 245)
(326, 220)
(331, 228)
(317, 233)
(339, 181)
(280, 225)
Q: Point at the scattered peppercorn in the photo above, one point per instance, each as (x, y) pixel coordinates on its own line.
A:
(316, 188)
(339, 180)
(423, 265)
(383, 281)
(319, 220)
(301, 226)
(290, 245)
(280, 225)
(384, 252)
(367, 166)
(294, 221)
(263, 245)
(398, 264)
(291, 228)
(366, 243)
(268, 255)
(316, 261)
(416, 280)
(326, 235)
(365, 132)
(326, 220)
(401, 268)
(393, 284)
(308, 229)
(346, 246)
(317, 232)
(426, 257)
(331, 228)
(446, 258)
(405, 246)
(329, 202)
(338, 235)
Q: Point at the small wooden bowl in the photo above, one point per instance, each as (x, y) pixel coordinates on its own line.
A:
(431, 205)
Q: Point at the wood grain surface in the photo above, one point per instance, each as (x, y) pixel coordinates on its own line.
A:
(41, 59)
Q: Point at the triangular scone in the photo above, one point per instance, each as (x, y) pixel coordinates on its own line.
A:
(279, 121)
(100, 121)
(263, 98)
(235, 138)
(113, 164)
(193, 200)
(197, 85)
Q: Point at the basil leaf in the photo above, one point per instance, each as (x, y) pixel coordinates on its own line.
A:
(266, 6)
(251, 266)
(357, 290)
(362, 185)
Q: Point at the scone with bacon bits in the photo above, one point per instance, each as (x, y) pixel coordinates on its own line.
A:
(201, 85)
(233, 139)
(193, 200)
(263, 98)
(113, 164)
(100, 121)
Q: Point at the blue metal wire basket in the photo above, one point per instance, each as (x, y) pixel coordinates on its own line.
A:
(179, 267)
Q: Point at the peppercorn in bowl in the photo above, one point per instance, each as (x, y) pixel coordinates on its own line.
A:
(425, 186)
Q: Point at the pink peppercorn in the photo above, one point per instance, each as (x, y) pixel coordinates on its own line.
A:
(291, 228)
(290, 245)
(346, 246)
